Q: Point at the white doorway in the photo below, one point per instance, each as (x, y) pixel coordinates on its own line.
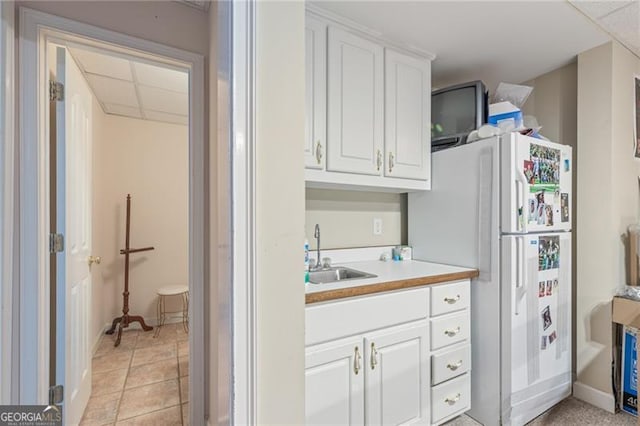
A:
(35, 226)
(120, 190)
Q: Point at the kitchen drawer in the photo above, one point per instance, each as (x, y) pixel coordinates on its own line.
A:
(449, 297)
(346, 317)
(450, 363)
(449, 329)
(449, 398)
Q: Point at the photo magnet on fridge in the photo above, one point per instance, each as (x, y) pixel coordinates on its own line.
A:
(541, 289)
(552, 337)
(543, 343)
(564, 207)
(555, 283)
(546, 167)
(548, 211)
(546, 318)
(549, 290)
(528, 171)
(533, 210)
(549, 253)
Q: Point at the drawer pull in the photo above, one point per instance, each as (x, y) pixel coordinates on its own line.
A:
(454, 366)
(452, 333)
(374, 356)
(356, 360)
(453, 400)
(452, 300)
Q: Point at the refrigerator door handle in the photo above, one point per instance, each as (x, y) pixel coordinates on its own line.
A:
(521, 197)
(521, 271)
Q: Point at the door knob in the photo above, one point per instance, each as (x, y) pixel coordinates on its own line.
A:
(94, 259)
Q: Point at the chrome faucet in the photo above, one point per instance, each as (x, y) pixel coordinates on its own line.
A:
(316, 235)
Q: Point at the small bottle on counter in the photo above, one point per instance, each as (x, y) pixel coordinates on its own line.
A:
(306, 261)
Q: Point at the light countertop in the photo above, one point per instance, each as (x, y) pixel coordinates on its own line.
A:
(391, 275)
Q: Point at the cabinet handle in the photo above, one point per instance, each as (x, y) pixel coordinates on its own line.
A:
(374, 356)
(356, 360)
(378, 160)
(452, 300)
(391, 162)
(452, 333)
(453, 400)
(319, 152)
(454, 366)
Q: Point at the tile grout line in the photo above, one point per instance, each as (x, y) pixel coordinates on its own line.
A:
(124, 385)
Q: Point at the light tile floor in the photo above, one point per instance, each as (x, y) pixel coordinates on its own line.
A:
(570, 412)
(144, 381)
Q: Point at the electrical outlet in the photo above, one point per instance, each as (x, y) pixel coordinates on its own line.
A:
(377, 226)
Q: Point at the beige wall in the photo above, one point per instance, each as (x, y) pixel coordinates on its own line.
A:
(148, 160)
(280, 211)
(553, 102)
(607, 200)
(346, 218)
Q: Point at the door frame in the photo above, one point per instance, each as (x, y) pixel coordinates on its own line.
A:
(8, 384)
(36, 28)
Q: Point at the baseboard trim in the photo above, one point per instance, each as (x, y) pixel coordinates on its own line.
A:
(595, 397)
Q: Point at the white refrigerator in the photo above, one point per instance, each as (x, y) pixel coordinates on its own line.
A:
(503, 205)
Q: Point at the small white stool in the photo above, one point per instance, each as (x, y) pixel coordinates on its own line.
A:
(172, 290)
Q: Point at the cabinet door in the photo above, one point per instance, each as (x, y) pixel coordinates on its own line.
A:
(316, 93)
(407, 116)
(355, 104)
(334, 383)
(397, 379)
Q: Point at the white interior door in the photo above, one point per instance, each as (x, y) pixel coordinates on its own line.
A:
(73, 220)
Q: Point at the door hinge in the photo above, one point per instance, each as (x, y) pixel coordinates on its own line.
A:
(56, 91)
(56, 395)
(56, 243)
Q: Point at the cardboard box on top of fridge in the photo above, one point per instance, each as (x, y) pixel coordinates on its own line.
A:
(505, 115)
(505, 110)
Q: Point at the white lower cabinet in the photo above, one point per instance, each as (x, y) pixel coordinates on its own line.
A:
(397, 375)
(382, 377)
(334, 383)
(384, 365)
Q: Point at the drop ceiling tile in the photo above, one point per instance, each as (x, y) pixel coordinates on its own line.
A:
(102, 64)
(122, 110)
(163, 100)
(112, 91)
(164, 78)
(167, 118)
(624, 24)
(598, 9)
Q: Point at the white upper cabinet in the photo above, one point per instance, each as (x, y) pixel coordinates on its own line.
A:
(407, 116)
(355, 104)
(368, 118)
(316, 92)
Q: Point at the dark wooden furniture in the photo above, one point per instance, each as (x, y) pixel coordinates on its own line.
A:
(126, 319)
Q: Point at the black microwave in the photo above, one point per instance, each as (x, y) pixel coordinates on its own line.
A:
(456, 111)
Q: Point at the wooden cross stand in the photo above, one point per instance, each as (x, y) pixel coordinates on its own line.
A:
(126, 319)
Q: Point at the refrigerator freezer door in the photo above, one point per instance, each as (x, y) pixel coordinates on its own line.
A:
(536, 337)
(536, 185)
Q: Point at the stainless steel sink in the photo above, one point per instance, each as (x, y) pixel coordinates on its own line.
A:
(337, 273)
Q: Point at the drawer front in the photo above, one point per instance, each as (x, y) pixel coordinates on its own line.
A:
(347, 317)
(449, 398)
(450, 363)
(449, 329)
(449, 297)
